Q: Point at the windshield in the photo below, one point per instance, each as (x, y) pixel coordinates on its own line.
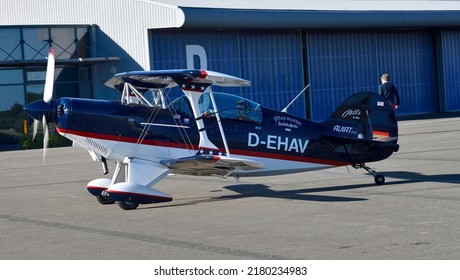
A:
(229, 106)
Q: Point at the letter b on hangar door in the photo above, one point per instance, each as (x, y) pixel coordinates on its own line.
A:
(196, 50)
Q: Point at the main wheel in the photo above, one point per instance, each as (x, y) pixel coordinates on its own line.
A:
(103, 199)
(127, 205)
(379, 179)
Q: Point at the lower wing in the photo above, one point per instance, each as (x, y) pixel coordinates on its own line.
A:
(207, 165)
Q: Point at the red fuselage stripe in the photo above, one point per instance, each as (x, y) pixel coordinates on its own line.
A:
(184, 146)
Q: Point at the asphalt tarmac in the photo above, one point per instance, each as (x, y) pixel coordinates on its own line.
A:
(47, 213)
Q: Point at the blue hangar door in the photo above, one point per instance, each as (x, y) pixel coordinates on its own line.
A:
(451, 61)
(271, 60)
(341, 63)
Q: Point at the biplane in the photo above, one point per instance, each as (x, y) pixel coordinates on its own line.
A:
(207, 133)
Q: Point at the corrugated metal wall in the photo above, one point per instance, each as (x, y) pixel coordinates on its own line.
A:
(451, 58)
(340, 63)
(272, 60)
(409, 57)
(344, 62)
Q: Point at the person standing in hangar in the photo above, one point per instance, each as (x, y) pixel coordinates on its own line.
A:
(389, 92)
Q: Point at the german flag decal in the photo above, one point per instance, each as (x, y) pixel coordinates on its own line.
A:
(380, 134)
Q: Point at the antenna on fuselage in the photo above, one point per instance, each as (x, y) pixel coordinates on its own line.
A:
(298, 95)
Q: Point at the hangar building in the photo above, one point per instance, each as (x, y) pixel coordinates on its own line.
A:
(335, 47)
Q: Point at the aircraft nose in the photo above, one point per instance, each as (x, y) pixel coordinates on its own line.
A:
(39, 108)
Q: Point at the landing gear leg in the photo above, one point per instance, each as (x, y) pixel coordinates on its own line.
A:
(379, 179)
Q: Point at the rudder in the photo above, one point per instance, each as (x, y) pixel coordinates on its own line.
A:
(366, 116)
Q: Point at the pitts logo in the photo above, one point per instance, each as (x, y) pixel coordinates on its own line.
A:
(352, 113)
(278, 143)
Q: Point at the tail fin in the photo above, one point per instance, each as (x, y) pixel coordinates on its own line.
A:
(366, 116)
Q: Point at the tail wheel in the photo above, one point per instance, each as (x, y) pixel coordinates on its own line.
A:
(127, 205)
(379, 179)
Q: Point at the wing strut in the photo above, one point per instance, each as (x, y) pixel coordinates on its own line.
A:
(194, 96)
(222, 133)
(130, 94)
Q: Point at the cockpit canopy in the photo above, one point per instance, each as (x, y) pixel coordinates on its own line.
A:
(229, 106)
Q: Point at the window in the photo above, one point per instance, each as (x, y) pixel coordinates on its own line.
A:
(10, 44)
(36, 76)
(68, 42)
(11, 76)
(66, 83)
(82, 42)
(11, 88)
(64, 42)
(34, 92)
(230, 107)
(181, 106)
(36, 43)
(11, 95)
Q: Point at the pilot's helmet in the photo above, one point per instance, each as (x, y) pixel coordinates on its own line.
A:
(241, 105)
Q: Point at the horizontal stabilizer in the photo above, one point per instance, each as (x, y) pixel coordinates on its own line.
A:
(206, 165)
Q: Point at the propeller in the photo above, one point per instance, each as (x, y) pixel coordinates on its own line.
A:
(46, 137)
(49, 81)
(41, 108)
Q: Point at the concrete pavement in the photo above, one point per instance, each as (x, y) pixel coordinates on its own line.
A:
(47, 213)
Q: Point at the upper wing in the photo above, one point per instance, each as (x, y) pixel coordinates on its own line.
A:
(171, 78)
(206, 165)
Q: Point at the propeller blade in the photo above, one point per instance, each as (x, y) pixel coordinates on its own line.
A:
(49, 81)
(45, 138)
(35, 129)
(47, 97)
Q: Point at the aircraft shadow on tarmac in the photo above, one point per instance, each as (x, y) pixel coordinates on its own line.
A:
(261, 190)
(258, 190)
(311, 194)
(414, 177)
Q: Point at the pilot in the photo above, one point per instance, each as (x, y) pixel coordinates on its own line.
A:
(242, 110)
